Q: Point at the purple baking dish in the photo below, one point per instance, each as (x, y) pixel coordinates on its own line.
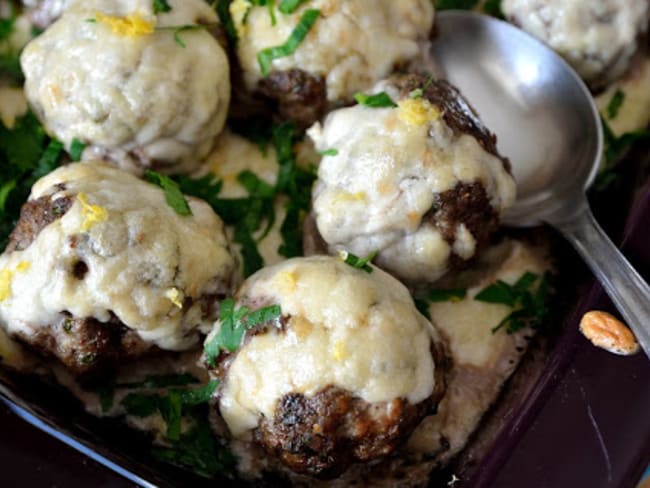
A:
(583, 422)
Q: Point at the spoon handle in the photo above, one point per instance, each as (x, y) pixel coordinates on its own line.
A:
(629, 292)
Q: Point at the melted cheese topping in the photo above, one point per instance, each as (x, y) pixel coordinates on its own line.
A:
(133, 94)
(140, 251)
(352, 45)
(355, 330)
(399, 163)
(597, 38)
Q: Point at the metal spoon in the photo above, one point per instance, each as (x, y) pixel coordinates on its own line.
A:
(547, 124)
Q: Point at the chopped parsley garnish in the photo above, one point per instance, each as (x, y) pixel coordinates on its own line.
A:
(528, 303)
(233, 324)
(26, 154)
(248, 215)
(9, 57)
(493, 8)
(266, 56)
(76, 149)
(199, 450)
(195, 448)
(175, 198)
(379, 100)
(436, 296)
(161, 6)
(296, 183)
(357, 262)
(615, 148)
(170, 405)
(222, 7)
(329, 152)
(455, 4)
(615, 104)
(290, 6)
(107, 392)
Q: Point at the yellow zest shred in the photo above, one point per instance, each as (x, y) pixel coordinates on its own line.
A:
(6, 277)
(417, 111)
(339, 352)
(287, 280)
(175, 296)
(130, 26)
(238, 10)
(93, 214)
(359, 196)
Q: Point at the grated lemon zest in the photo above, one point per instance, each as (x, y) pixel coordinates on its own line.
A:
(7, 276)
(130, 26)
(238, 11)
(93, 214)
(417, 111)
(339, 352)
(175, 296)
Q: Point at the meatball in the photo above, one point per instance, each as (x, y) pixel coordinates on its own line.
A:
(43, 12)
(352, 45)
(100, 268)
(420, 183)
(343, 375)
(598, 39)
(125, 81)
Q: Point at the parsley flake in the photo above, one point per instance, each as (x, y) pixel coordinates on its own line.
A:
(266, 56)
(175, 198)
(161, 6)
(615, 104)
(528, 304)
(455, 4)
(290, 6)
(233, 324)
(379, 100)
(76, 149)
(615, 148)
(222, 8)
(199, 450)
(329, 152)
(357, 262)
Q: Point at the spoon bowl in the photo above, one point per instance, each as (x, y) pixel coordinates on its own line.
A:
(543, 115)
(548, 126)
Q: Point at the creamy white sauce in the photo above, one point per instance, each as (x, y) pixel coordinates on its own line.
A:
(598, 38)
(352, 45)
(136, 99)
(634, 114)
(12, 105)
(481, 360)
(373, 194)
(348, 328)
(143, 260)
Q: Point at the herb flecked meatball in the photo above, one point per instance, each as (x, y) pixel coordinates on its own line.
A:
(100, 269)
(343, 374)
(349, 46)
(128, 83)
(598, 39)
(418, 180)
